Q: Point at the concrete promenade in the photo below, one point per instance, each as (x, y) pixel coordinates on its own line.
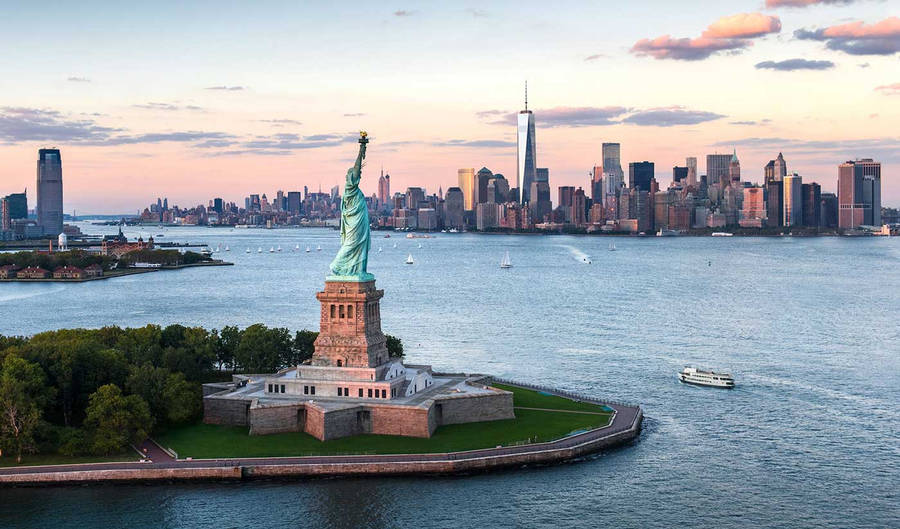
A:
(626, 425)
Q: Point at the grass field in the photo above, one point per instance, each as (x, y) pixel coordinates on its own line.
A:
(57, 459)
(210, 441)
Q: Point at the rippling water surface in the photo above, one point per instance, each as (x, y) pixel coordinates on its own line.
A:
(809, 438)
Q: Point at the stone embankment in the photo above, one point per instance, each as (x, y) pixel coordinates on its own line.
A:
(625, 426)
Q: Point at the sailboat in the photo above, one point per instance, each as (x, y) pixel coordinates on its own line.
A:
(505, 262)
(296, 247)
(319, 248)
(259, 249)
(395, 245)
(420, 245)
(271, 249)
(227, 249)
(248, 250)
(612, 247)
(307, 249)
(279, 247)
(409, 259)
(218, 248)
(380, 249)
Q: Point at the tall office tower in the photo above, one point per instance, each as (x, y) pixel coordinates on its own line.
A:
(753, 208)
(5, 221)
(734, 170)
(218, 205)
(466, 178)
(774, 203)
(769, 171)
(482, 177)
(165, 204)
(525, 154)
(680, 175)
(612, 165)
(294, 199)
(255, 204)
(578, 208)
(414, 196)
(717, 168)
(829, 212)
(542, 174)
(859, 193)
(565, 196)
(597, 184)
(540, 205)
(279, 201)
(49, 206)
(384, 189)
(779, 167)
(812, 205)
(639, 175)
(793, 200)
(691, 163)
(498, 190)
(454, 204)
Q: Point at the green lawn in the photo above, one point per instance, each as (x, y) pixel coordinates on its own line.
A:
(57, 459)
(210, 441)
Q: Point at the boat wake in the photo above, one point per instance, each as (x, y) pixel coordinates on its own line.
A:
(14, 297)
(577, 254)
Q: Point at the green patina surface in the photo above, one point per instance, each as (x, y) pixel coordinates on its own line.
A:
(351, 260)
(530, 425)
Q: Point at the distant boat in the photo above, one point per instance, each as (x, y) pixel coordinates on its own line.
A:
(380, 249)
(319, 248)
(248, 250)
(218, 248)
(271, 250)
(612, 247)
(395, 245)
(388, 236)
(722, 234)
(259, 250)
(227, 249)
(586, 260)
(279, 247)
(420, 246)
(505, 262)
(667, 233)
(297, 247)
(307, 249)
(409, 259)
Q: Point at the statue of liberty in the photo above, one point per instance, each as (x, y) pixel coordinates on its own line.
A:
(350, 262)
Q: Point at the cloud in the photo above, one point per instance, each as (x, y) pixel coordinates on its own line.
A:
(743, 123)
(559, 116)
(803, 3)
(18, 124)
(474, 143)
(477, 13)
(743, 26)
(226, 88)
(670, 116)
(281, 122)
(889, 89)
(160, 137)
(215, 144)
(730, 33)
(794, 64)
(168, 107)
(355, 115)
(291, 142)
(863, 65)
(858, 38)
(595, 57)
(78, 79)
(884, 149)
(404, 13)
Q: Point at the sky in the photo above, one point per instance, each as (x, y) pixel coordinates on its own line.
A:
(195, 100)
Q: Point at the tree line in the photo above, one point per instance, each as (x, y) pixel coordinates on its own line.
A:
(51, 261)
(96, 391)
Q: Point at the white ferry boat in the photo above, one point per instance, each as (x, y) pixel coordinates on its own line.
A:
(722, 234)
(692, 375)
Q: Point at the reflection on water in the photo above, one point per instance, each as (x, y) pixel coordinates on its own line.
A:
(807, 439)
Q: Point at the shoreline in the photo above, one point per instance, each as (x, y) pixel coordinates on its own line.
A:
(624, 427)
(113, 274)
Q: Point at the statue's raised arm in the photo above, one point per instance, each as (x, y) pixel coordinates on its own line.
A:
(350, 262)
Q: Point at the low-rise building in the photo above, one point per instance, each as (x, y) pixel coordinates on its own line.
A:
(33, 272)
(68, 272)
(93, 270)
(8, 271)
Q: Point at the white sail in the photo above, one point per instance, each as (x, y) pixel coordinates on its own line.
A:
(409, 259)
(505, 262)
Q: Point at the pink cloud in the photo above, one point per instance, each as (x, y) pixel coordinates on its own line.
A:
(889, 89)
(742, 26)
(727, 33)
(803, 3)
(889, 27)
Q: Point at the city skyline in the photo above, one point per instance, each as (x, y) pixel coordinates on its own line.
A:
(133, 123)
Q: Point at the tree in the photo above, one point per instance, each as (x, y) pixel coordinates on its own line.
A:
(226, 345)
(169, 396)
(114, 421)
(23, 393)
(263, 350)
(304, 346)
(394, 346)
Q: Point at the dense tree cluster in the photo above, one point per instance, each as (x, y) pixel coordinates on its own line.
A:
(49, 261)
(162, 257)
(95, 391)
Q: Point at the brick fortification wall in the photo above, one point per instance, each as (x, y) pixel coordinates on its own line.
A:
(476, 408)
(228, 412)
(397, 420)
(277, 419)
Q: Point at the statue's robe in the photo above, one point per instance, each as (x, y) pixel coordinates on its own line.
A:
(353, 256)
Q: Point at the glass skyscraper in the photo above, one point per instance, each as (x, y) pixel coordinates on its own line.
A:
(612, 167)
(49, 206)
(525, 162)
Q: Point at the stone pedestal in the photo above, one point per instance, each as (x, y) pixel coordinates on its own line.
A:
(350, 330)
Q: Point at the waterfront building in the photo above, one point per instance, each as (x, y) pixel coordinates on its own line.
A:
(426, 219)
(5, 221)
(859, 193)
(540, 205)
(829, 211)
(466, 179)
(17, 204)
(33, 272)
(487, 216)
(596, 185)
(661, 210)
(49, 204)
(812, 207)
(793, 200)
(691, 163)
(579, 208)
(414, 197)
(454, 208)
(717, 168)
(640, 174)
(525, 152)
(680, 175)
(774, 202)
(753, 209)
(294, 200)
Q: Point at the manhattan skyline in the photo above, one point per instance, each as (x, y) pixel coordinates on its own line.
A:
(151, 101)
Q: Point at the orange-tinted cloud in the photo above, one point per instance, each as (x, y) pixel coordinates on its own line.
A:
(889, 89)
(803, 3)
(858, 38)
(743, 26)
(728, 33)
(889, 27)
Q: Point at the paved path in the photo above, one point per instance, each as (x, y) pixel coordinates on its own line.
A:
(563, 411)
(624, 419)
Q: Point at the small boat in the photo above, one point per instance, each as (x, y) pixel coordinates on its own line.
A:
(380, 249)
(218, 248)
(667, 233)
(296, 247)
(307, 249)
(227, 249)
(248, 250)
(395, 245)
(279, 248)
(319, 248)
(409, 259)
(388, 236)
(259, 249)
(420, 246)
(586, 260)
(722, 234)
(699, 377)
(271, 250)
(612, 247)
(505, 262)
